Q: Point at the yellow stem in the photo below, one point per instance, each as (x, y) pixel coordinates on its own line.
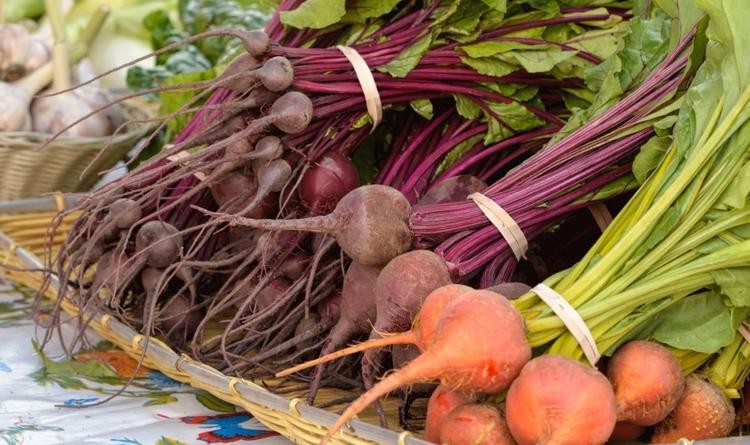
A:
(60, 60)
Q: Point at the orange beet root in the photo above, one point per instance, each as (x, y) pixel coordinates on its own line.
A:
(442, 402)
(647, 380)
(703, 412)
(475, 424)
(479, 346)
(556, 400)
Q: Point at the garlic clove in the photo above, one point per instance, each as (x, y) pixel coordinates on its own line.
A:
(14, 51)
(14, 109)
(53, 113)
(39, 54)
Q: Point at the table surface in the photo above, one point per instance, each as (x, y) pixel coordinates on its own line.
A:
(43, 395)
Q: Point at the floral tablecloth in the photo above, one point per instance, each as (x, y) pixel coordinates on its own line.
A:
(43, 395)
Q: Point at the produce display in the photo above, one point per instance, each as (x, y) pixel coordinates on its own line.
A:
(532, 214)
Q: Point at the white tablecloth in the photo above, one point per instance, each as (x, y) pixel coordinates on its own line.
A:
(39, 395)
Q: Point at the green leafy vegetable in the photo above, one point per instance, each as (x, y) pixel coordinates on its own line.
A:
(198, 16)
(408, 59)
(701, 323)
(315, 14)
(423, 107)
(514, 117)
(361, 10)
(649, 157)
(489, 66)
(735, 284)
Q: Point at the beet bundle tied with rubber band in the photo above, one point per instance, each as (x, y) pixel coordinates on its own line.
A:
(349, 163)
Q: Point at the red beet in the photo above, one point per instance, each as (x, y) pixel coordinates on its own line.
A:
(326, 182)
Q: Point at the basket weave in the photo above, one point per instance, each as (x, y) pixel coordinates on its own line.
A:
(23, 227)
(26, 171)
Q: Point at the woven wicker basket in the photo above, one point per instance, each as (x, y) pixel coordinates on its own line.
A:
(26, 171)
(23, 225)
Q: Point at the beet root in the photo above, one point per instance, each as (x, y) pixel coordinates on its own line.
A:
(703, 412)
(370, 224)
(179, 318)
(277, 74)
(235, 192)
(124, 213)
(294, 267)
(105, 272)
(402, 286)
(357, 313)
(510, 290)
(475, 424)
(160, 242)
(556, 400)
(327, 181)
(270, 293)
(377, 229)
(479, 346)
(291, 113)
(453, 189)
(442, 402)
(647, 380)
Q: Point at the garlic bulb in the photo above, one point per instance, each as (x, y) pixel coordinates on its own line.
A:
(20, 52)
(15, 98)
(39, 54)
(52, 114)
(85, 71)
(14, 44)
(14, 108)
(115, 113)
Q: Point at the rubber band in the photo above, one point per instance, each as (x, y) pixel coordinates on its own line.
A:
(232, 386)
(402, 437)
(572, 320)
(59, 201)
(504, 223)
(105, 321)
(135, 342)
(177, 157)
(8, 254)
(293, 406)
(601, 215)
(367, 82)
(180, 360)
